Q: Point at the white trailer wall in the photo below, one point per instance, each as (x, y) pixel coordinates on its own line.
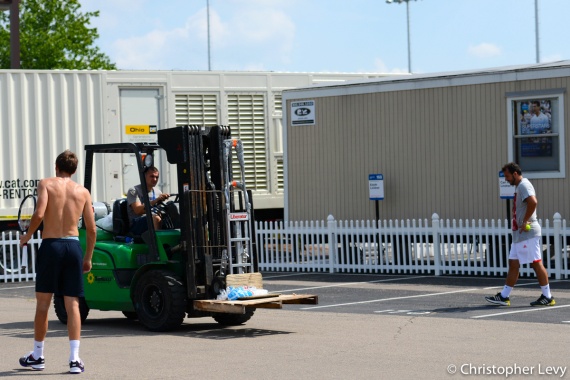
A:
(42, 114)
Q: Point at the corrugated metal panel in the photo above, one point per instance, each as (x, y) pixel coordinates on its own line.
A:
(42, 114)
(440, 150)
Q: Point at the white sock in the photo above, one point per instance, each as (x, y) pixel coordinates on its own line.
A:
(38, 349)
(546, 291)
(506, 292)
(74, 350)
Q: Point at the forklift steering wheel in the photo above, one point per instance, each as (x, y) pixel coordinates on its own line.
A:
(162, 209)
(159, 208)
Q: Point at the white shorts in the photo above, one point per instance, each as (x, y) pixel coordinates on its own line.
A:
(528, 251)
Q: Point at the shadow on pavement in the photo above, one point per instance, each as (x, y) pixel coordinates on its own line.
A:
(120, 327)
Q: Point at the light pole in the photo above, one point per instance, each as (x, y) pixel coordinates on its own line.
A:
(208, 16)
(536, 31)
(14, 8)
(408, 22)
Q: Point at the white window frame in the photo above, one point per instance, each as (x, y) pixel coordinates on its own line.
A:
(530, 95)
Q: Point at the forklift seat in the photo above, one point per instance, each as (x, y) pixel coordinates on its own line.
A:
(121, 222)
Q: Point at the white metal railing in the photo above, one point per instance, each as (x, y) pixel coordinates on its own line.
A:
(436, 247)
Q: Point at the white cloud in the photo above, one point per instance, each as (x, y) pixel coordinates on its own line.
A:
(111, 13)
(258, 36)
(551, 58)
(260, 33)
(146, 52)
(263, 25)
(380, 67)
(484, 50)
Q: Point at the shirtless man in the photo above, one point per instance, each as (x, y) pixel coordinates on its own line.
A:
(60, 265)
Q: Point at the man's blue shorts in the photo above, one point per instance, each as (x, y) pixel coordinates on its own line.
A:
(59, 267)
(139, 225)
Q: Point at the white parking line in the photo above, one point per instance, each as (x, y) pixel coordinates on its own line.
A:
(286, 275)
(408, 312)
(389, 299)
(524, 284)
(520, 311)
(349, 283)
(18, 287)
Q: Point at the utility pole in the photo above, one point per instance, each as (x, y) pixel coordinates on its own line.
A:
(14, 7)
(537, 40)
(208, 16)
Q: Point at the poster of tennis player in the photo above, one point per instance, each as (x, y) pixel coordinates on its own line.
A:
(535, 120)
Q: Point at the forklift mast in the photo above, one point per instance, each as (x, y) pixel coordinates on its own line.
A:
(198, 155)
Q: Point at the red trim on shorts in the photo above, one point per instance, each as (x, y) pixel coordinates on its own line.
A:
(537, 261)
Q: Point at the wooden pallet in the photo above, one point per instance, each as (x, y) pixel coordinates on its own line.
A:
(272, 301)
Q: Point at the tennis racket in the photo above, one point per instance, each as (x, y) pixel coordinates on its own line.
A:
(27, 209)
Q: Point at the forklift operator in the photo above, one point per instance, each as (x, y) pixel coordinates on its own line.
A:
(135, 206)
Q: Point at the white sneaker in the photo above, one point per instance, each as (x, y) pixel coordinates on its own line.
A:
(76, 367)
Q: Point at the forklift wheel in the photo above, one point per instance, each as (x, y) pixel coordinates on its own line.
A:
(61, 313)
(226, 319)
(160, 300)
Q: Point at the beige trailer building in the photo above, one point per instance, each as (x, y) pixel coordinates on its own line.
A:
(439, 141)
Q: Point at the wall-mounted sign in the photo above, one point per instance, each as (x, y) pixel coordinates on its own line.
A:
(303, 113)
(376, 187)
(140, 133)
(506, 190)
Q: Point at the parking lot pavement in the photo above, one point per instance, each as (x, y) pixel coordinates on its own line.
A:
(365, 326)
(426, 296)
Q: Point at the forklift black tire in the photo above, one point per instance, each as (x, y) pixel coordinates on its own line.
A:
(160, 300)
(132, 315)
(227, 319)
(61, 313)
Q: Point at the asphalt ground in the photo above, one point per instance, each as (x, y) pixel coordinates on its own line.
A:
(365, 326)
(425, 296)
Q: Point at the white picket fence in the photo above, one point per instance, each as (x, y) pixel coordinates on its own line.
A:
(436, 247)
(14, 265)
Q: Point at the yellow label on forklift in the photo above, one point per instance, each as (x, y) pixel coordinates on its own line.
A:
(239, 216)
(140, 129)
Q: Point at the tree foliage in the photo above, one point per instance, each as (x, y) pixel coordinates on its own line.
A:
(54, 34)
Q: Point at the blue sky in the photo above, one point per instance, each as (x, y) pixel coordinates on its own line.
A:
(329, 35)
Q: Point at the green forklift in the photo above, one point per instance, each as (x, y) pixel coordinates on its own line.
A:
(206, 243)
